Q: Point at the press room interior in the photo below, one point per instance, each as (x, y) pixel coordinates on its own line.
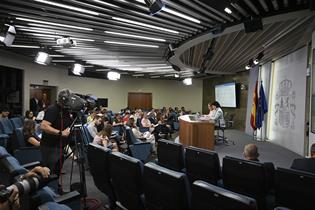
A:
(184, 53)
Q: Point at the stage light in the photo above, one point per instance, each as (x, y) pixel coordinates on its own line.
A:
(176, 75)
(256, 61)
(78, 69)
(187, 81)
(154, 6)
(7, 34)
(113, 75)
(228, 10)
(176, 68)
(247, 67)
(43, 58)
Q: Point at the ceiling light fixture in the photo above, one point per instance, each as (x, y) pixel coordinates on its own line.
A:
(42, 58)
(78, 69)
(54, 24)
(63, 61)
(132, 44)
(173, 12)
(187, 81)
(113, 75)
(247, 67)
(145, 25)
(228, 10)
(25, 46)
(176, 75)
(170, 11)
(68, 7)
(7, 34)
(136, 36)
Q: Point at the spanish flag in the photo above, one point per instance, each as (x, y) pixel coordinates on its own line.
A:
(254, 107)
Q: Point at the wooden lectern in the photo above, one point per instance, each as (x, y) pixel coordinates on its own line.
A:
(193, 132)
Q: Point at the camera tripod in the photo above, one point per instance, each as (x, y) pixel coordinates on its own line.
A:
(78, 138)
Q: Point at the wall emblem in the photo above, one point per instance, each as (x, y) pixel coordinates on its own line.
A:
(285, 105)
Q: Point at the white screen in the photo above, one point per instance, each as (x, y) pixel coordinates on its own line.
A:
(226, 95)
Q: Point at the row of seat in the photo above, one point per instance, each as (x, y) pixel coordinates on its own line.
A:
(261, 181)
(136, 186)
(151, 186)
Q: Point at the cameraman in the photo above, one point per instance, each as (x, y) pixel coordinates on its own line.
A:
(55, 127)
(13, 202)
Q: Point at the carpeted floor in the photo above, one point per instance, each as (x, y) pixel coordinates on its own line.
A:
(269, 152)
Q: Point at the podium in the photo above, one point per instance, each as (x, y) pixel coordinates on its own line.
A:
(197, 133)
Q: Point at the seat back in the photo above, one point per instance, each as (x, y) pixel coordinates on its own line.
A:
(208, 196)
(87, 133)
(202, 164)
(20, 137)
(99, 168)
(170, 155)
(126, 176)
(16, 122)
(9, 169)
(245, 177)
(294, 189)
(165, 189)
(6, 126)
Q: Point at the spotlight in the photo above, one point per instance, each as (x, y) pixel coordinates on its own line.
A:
(66, 42)
(176, 75)
(43, 58)
(260, 55)
(256, 61)
(78, 69)
(111, 75)
(7, 35)
(228, 10)
(187, 81)
(247, 67)
(154, 5)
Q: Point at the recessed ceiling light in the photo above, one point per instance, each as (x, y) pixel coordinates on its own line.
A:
(228, 10)
(24, 46)
(145, 25)
(57, 56)
(105, 3)
(54, 24)
(173, 12)
(136, 36)
(68, 7)
(132, 44)
(187, 81)
(63, 61)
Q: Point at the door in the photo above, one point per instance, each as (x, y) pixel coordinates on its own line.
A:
(140, 100)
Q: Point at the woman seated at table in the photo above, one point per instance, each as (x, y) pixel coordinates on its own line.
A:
(103, 138)
(30, 138)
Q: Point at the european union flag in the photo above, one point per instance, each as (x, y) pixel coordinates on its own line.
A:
(262, 107)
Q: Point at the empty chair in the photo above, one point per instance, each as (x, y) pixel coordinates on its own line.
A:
(87, 133)
(137, 148)
(126, 175)
(165, 189)
(17, 122)
(99, 168)
(246, 177)
(202, 164)
(170, 155)
(208, 196)
(294, 189)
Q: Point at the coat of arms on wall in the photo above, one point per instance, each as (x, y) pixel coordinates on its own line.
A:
(285, 105)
